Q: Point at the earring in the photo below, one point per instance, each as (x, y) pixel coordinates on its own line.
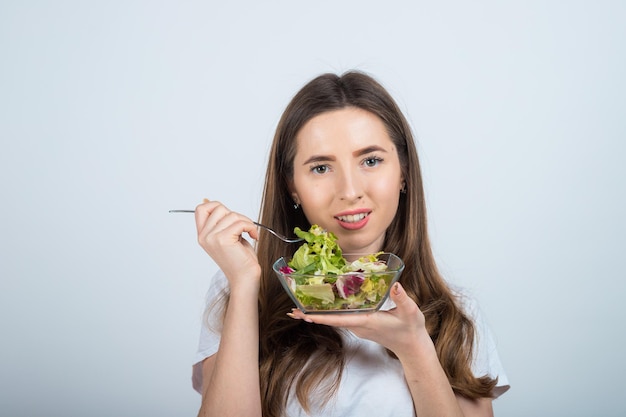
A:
(296, 202)
(403, 189)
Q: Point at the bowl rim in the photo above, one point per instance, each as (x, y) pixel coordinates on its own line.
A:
(389, 254)
(397, 272)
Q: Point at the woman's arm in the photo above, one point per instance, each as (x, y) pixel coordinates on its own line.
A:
(431, 392)
(230, 377)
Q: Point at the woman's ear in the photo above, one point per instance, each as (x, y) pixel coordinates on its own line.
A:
(294, 194)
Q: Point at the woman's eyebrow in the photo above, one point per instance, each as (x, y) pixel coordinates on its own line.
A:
(318, 158)
(369, 149)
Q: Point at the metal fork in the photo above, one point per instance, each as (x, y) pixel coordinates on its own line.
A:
(278, 235)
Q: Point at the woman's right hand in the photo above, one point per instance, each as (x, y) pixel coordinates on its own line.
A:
(220, 235)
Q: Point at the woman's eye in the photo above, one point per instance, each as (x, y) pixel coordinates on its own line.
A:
(320, 169)
(372, 161)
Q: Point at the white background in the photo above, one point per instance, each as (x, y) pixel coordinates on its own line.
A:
(114, 112)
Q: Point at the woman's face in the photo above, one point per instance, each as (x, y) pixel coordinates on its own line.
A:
(347, 177)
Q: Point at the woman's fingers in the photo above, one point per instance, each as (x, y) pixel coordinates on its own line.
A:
(220, 233)
(202, 213)
(335, 320)
(228, 229)
(405, 306)
(209, 213)
(216, 224)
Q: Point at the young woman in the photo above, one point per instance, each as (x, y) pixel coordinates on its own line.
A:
(343, 158)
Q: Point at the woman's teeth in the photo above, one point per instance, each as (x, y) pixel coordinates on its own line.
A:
(352, 218)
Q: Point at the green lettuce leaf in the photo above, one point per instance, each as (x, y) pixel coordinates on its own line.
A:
(319, 255)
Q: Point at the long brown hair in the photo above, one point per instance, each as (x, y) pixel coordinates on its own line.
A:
(301, 356)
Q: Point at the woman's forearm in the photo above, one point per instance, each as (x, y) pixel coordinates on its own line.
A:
(429, 386)
(232, 388)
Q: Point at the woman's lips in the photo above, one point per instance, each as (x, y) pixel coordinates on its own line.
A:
(353, 221)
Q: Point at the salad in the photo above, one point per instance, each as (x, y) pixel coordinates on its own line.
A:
(322, 279)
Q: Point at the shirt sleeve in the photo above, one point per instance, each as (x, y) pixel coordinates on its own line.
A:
(486, 359)
(210, 330)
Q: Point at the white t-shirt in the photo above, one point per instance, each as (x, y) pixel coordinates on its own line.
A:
(372, 380)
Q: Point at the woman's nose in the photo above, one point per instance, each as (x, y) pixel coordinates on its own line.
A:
(350, 186)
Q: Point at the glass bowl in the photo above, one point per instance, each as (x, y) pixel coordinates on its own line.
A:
(352, 292)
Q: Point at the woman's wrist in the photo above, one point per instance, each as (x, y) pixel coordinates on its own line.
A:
(245, 286)
(418, 348)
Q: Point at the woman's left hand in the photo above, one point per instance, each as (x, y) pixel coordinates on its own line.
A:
(397, 329)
